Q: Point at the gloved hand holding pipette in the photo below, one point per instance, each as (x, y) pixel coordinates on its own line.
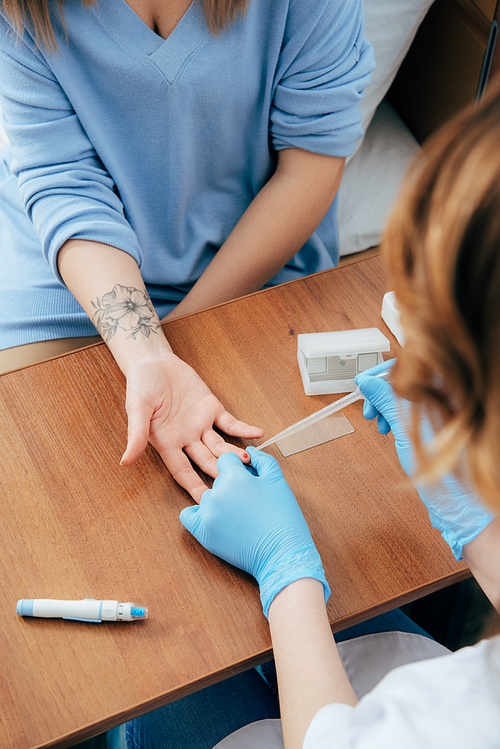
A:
(255, 523)
(329, 410)
(453, 507)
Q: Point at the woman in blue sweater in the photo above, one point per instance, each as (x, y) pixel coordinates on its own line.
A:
(165, 156)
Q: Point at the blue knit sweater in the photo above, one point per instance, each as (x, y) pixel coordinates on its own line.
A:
(158, 146)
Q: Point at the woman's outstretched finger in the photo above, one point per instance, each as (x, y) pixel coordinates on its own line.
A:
(235, 428)
(182, 471)
(218, 446)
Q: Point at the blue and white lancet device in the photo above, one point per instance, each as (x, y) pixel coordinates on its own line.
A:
(87, 610)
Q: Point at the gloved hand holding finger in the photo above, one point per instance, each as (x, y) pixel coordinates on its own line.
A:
(255, 523)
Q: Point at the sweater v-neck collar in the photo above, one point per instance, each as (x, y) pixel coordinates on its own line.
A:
(167, 54)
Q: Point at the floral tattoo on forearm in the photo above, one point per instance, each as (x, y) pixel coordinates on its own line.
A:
(126, 308)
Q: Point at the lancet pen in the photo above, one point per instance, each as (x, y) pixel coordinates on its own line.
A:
(88, 610)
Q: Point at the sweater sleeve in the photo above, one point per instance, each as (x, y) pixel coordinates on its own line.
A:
(65, 188)
(324, 66)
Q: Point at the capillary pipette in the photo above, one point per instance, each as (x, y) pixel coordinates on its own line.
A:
(332, 408)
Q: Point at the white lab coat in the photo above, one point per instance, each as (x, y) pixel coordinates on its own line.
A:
(436, 699)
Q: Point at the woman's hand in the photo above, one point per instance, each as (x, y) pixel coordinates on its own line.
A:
(454, 509)
(251, 519)
(169, 405)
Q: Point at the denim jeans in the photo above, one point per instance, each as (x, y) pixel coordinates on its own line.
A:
(202, 719)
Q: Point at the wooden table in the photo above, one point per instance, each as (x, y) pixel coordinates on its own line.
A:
(75, 524)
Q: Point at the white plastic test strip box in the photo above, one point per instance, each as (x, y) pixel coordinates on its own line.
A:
(329, 362)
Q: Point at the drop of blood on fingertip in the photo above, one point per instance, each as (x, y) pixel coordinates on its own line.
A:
(245, 455)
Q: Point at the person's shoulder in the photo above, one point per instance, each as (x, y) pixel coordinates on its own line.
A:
(17, 43)
(467, 680)
(314, 7)
(327, 15)
(310, 9)
(484, 655)
(416, 704)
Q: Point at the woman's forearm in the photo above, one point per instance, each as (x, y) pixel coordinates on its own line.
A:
(310, 672)
(108, 284)
(278, 222)
(167, 403)
(482, 555)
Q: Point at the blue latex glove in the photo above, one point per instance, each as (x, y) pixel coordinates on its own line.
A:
(253, 521)
(454, 509)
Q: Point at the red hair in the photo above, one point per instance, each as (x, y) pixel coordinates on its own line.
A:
(443, 249)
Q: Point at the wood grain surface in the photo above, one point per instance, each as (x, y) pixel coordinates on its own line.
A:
(75, 524)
